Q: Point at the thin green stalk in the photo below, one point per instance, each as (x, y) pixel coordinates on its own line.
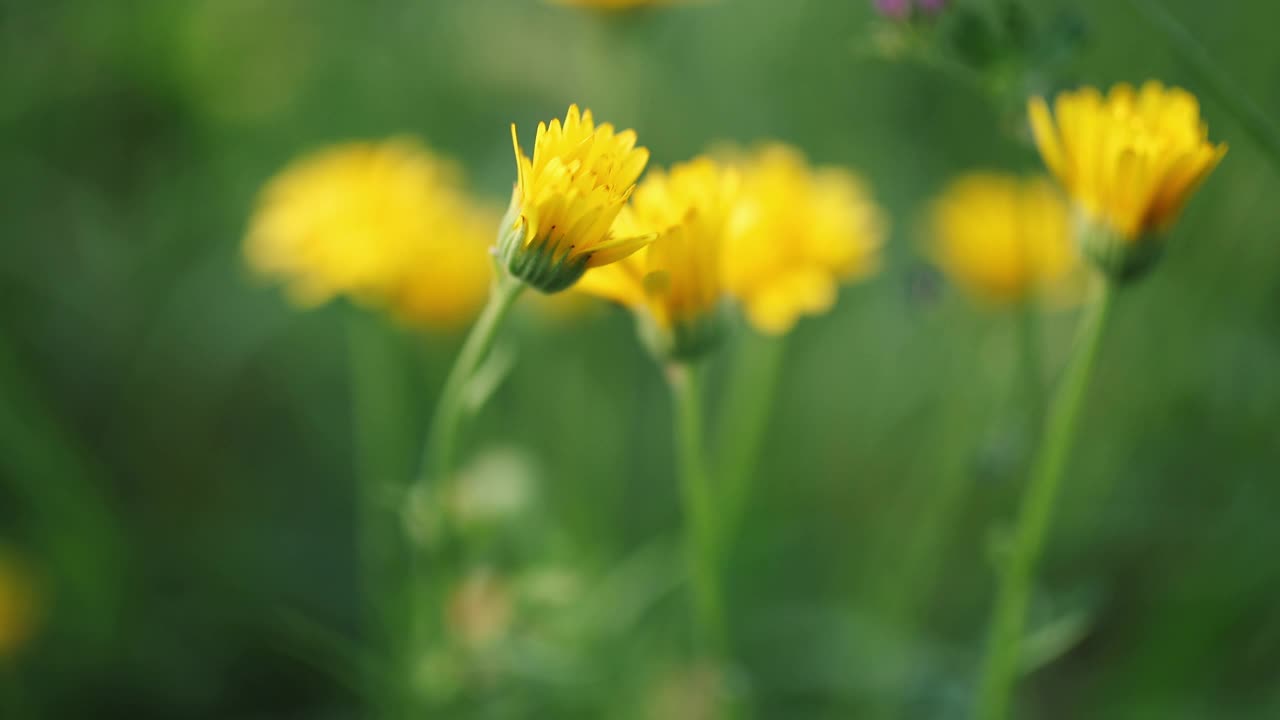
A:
(442, 436)
(744, 420)
(1031, 365)
(379, 422)
(696, 496)
(1013, 594)
(1252, 119)
(426, 597)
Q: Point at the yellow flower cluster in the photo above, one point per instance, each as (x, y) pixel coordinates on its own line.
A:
(1002, 237)
(388, 223)
(1129, 161)
(385, 223)
(566, 198)
(796, 234)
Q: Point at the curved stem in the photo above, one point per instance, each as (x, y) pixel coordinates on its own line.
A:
(1031, 366)
(696, 497)
(1252, 119)
(1013, 595)
(442, 436)
(744, 420)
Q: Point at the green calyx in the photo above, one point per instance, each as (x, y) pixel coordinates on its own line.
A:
(538, 264)
(683, 341)
(1122, 260)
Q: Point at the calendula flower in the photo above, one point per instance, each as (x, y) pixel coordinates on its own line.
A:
(17, 606)
(563, 207)
(385, 223)
(674, 283)
(1002, 237)
(1129, 161)
(795, 235)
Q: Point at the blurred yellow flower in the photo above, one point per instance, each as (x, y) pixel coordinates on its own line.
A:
(563, 207)
(675, 282)
(795, 235)
(1129, 161)
(386, 223)
(17, 606)
(1002, 237)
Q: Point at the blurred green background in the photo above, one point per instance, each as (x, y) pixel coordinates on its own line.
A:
(176, 442)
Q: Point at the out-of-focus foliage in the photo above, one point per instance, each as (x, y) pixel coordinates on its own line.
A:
(177, 450)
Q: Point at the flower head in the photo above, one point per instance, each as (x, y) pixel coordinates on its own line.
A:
(674, 283)
(1001, 237)
(795, 235)
(1129, 161)
(561, 218)
(382, 222)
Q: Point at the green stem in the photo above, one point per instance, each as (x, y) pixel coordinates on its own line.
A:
(379, 421)
(1013, 593)
(745, 419)
(442, 436)
(1252, 119)
(1031, 365)
(696, 496)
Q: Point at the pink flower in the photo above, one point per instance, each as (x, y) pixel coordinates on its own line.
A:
(901, 9)
(896, 9)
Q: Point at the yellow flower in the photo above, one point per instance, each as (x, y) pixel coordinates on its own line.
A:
(447, 280)
(796, 234)
(17, 606)
(567, 197)
(385, 223)
(1129, 162)
(1001, 237)
(674, 283)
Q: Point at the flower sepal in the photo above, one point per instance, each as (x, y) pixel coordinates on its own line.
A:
(538, 265)
(683, 340)
(1122, 260)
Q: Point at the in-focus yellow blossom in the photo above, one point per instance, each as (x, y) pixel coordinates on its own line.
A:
(796, 234)
(1002, 237)
(675, 282)
(1129, 161)
(385, 223)
(563, 207)
(17, 606)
